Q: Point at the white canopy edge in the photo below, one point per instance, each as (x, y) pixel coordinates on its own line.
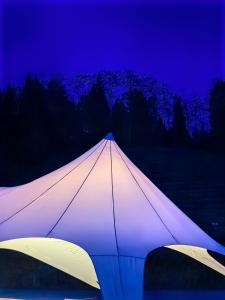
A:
(201, 255)
(60, 254)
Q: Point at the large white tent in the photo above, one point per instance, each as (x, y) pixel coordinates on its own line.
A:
(104, 204)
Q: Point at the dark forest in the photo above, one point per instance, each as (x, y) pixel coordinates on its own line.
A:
(39, 121)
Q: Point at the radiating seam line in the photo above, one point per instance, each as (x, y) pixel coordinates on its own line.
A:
(76, 192)
(147, 197)
(13, 215)
(114, 222)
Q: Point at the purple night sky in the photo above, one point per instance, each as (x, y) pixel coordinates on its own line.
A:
(181, 44)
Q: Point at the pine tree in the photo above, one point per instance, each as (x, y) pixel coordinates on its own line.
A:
(179, 134)
(33, 120)
(119, 121)
(157, 130)
(62, 115)
(95, 112)
(217, 108)
(9, 122)
(138, 117)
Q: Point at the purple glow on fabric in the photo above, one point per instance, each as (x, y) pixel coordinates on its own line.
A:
(178, 44)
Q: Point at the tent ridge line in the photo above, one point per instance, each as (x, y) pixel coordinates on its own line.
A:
(135, 179)
(71, 201)
(49, 188)
(114, 220)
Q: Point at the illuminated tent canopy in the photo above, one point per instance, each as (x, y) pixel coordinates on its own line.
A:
(62, 255)
(104, 204)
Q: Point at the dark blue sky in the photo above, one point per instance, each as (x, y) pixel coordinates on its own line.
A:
(180, 44)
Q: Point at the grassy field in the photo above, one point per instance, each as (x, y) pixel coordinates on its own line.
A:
(193, 179)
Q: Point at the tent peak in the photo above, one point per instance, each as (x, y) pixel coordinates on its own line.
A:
(109, 137)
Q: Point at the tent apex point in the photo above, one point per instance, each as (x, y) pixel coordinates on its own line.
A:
(109, 137)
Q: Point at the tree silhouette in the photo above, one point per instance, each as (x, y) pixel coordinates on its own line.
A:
(158, 134)
(9, 122)
(119, 121)
(138, 117)
(38, 121)
(178, 133)
(95, 112)
(33, 120)
(63, 126)
(217, 107)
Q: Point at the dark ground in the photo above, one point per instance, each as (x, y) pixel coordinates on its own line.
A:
(193, 179)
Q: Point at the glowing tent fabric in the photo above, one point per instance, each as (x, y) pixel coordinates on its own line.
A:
(62, 255)
(103, 203)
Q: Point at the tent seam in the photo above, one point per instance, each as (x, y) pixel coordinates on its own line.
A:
(114, 221)
(76, 192)
(138, 184)
(49, 188)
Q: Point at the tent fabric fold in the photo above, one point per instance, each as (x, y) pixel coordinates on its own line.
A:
(104, 204)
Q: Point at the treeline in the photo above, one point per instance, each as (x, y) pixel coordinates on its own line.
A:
(39, 120)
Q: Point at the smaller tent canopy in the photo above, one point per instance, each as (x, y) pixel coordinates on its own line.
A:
(103, 203)
(201, 255)
(62, 255)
